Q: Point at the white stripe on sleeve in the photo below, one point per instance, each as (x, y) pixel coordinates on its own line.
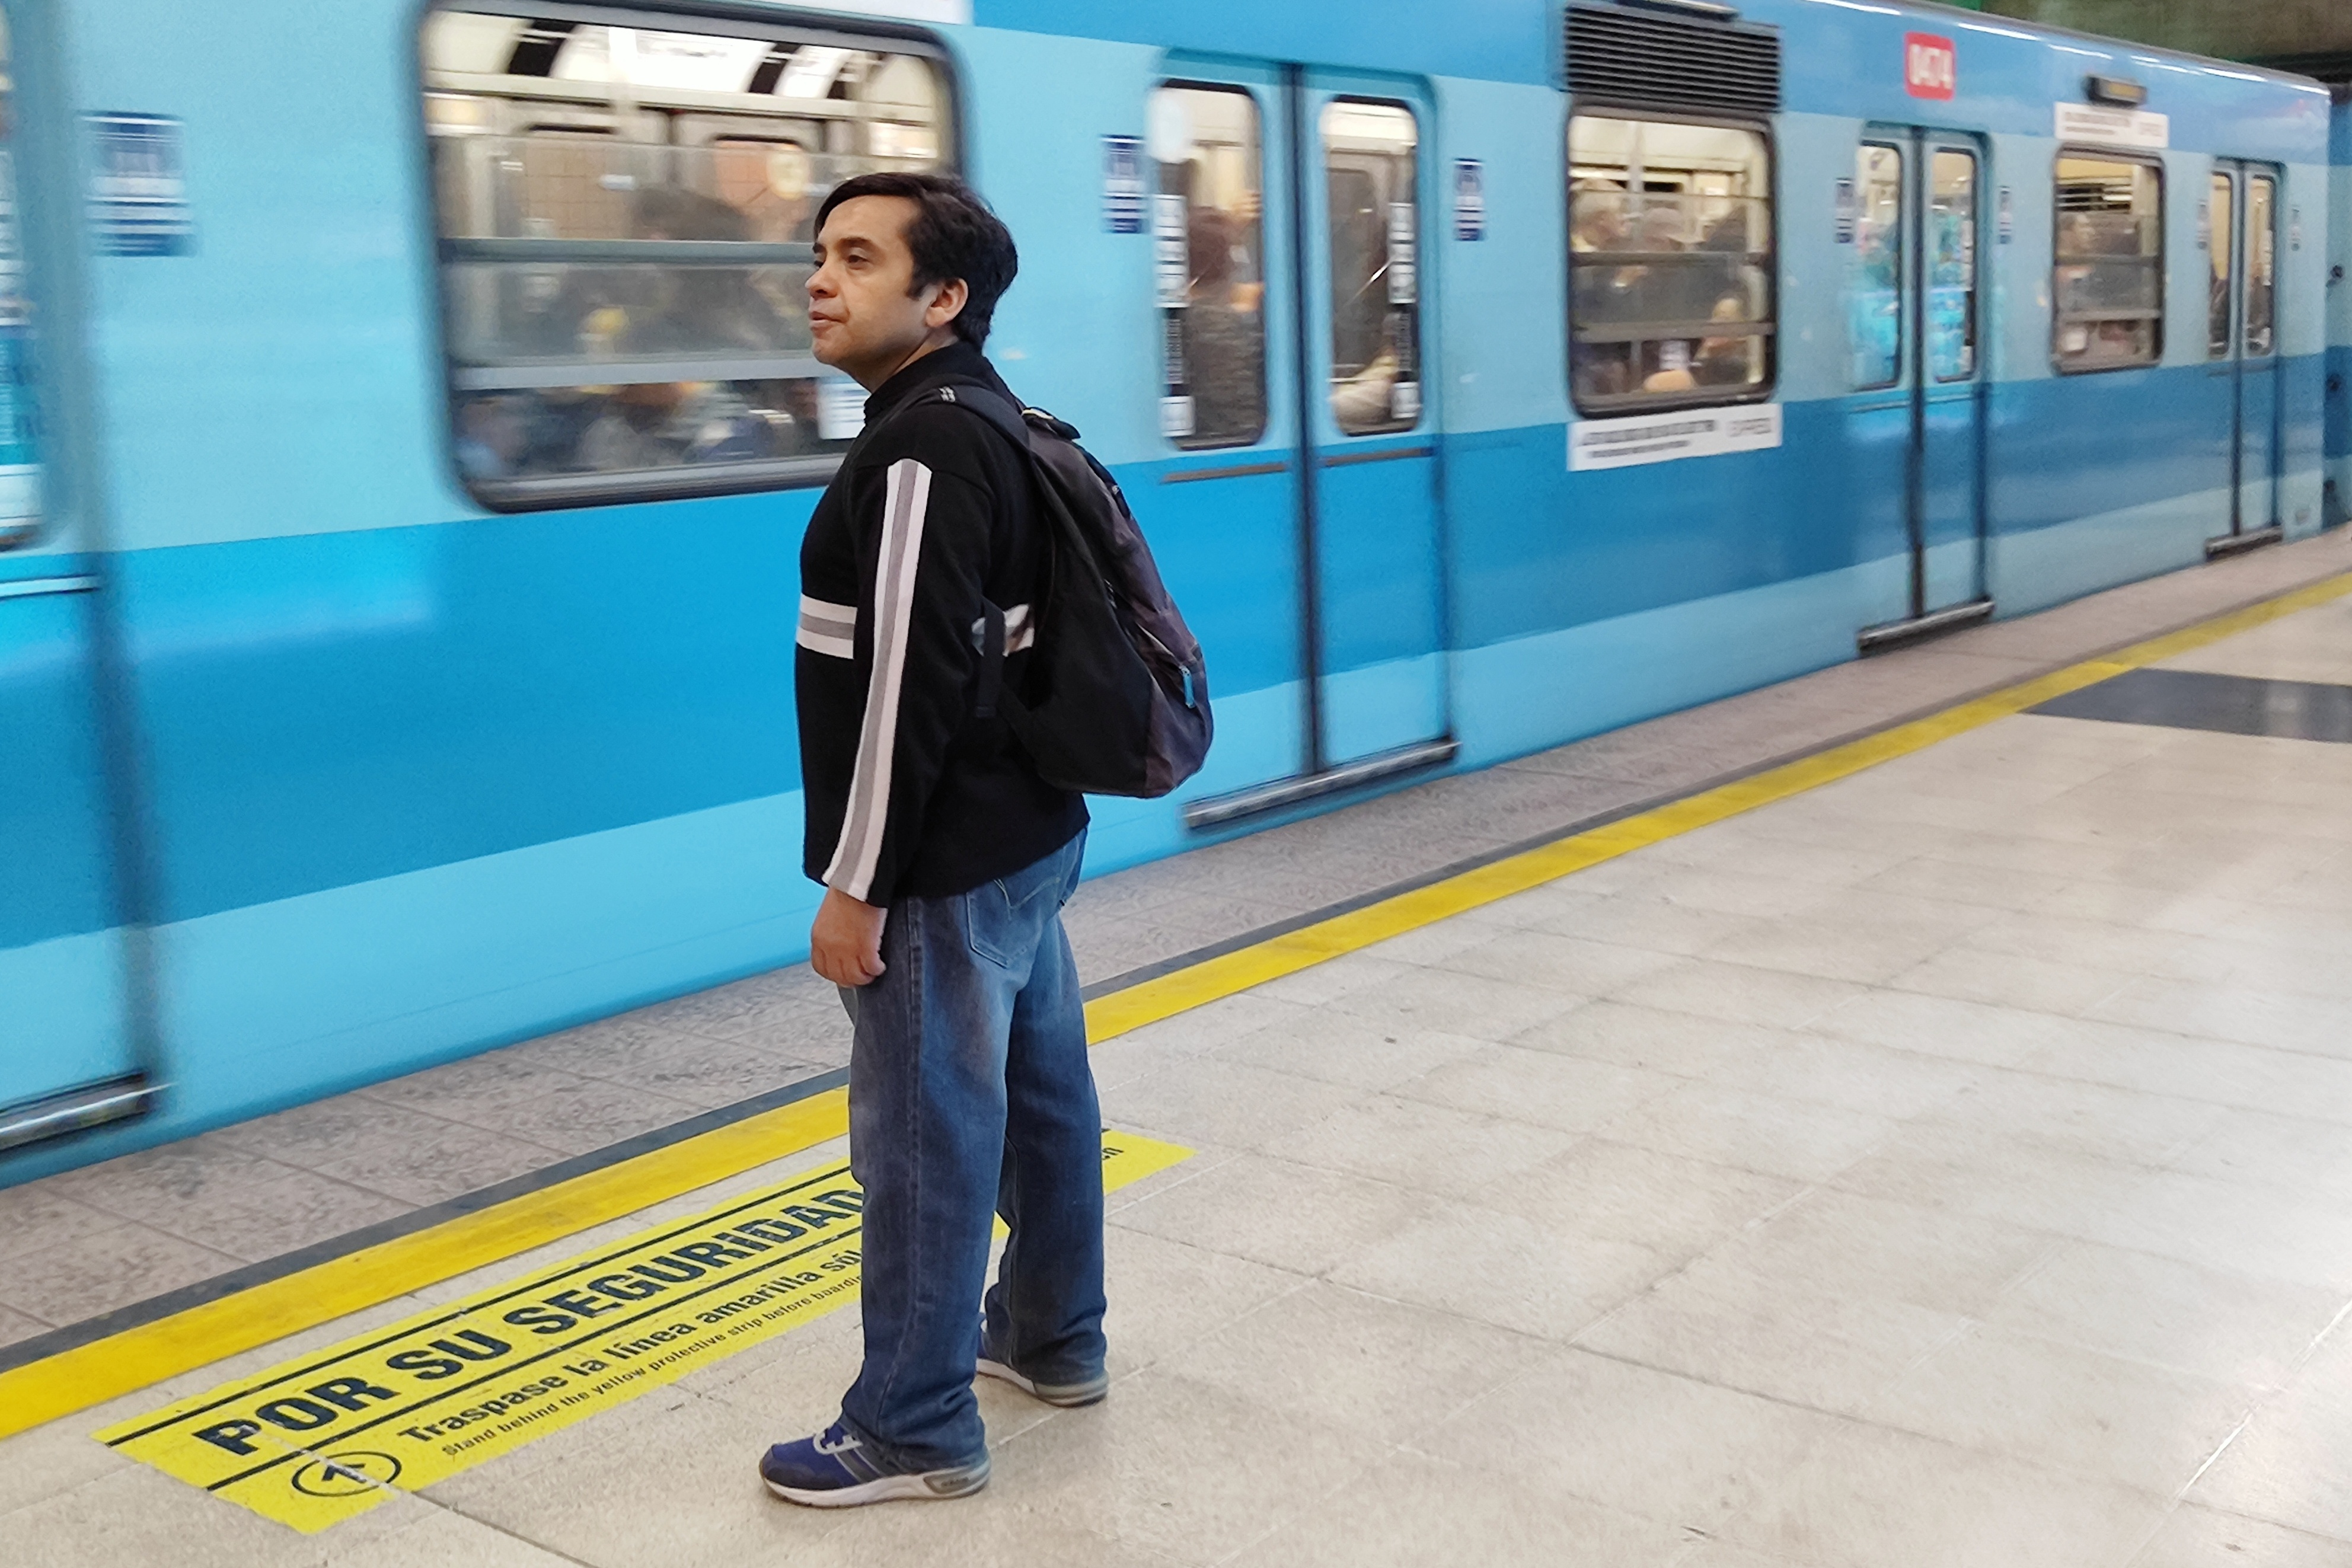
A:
(906, 495)
(827, 628)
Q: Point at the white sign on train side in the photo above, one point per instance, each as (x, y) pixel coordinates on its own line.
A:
(1663, 437)
(948, 13)
(2103, 127)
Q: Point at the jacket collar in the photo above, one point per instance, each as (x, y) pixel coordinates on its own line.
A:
(959, 361)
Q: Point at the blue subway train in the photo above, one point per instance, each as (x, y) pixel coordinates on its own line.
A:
(411, 423)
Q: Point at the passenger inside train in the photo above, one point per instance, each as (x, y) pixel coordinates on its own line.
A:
(1678, 204)
(1204, 144)
(662, 243)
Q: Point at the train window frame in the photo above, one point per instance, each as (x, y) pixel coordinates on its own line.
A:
(2218, 221)
(1900, 251)
(575, 488)
(2264, 332)
(1970, 232)
(25, 515)
(1402, 407)
(1764, 326)
(1178, 401)
(2157, 263)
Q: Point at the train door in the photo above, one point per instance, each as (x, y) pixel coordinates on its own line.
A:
(1373, 506)
(66, 1042)
(1920, 205)
(2241, 341)
(1334, 301)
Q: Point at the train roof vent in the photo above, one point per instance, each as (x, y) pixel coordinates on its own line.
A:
(1654, 59)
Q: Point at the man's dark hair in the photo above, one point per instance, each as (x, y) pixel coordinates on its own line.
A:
(953, 234)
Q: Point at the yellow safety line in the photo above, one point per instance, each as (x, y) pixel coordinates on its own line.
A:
(94, 1372)
(1214, 978)
(77, 1379)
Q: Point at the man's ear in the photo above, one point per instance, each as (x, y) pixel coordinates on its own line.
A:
(947, 304)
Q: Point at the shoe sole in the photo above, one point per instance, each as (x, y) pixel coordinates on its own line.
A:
(1068, 1396)
(937, 1486)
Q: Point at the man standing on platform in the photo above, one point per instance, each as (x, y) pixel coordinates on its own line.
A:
(945, 861)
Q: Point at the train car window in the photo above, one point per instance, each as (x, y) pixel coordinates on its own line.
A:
(20, 458)
(625, 221)
(1211, 259)
(1670, 262)
(2262, 263)
(1874, 287)
(2219, 200)
(1950, 262)
(1369, 172)
(2107, 271)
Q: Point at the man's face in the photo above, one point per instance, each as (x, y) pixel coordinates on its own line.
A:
(865, 317)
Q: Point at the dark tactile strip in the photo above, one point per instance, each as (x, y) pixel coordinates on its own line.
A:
(2229, 704)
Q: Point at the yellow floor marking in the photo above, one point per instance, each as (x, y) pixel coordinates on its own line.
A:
(1214, 978)
(136, 1358)
(139, 1357)
(335, 1432)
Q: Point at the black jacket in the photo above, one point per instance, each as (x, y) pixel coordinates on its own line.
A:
(908, 794)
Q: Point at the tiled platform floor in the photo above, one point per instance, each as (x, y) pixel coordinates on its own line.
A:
(1952, 1166)
(77, 1246)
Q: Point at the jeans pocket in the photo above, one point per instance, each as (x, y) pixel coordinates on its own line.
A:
(1001, 918)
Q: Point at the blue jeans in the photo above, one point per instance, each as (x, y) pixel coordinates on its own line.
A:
(970, 1094)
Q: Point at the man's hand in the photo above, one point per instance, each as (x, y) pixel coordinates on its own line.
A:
(846, 943)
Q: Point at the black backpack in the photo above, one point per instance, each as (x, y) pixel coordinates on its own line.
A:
(1115, 699)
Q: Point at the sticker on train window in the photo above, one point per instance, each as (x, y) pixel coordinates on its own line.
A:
(840, 409)
(1123, 184)
(1469, 199)
(1171, 254)
(137, 191)
(1404, 275)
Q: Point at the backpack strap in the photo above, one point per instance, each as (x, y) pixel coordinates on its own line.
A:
(991, 406)
(988, 637)
(988, 632)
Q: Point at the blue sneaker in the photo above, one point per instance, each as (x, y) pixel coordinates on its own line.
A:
(834, 1469)
(1065, 1392)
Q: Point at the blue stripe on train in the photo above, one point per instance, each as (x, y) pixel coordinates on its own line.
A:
(280, 1005)
(54, 869)
(338, 708)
